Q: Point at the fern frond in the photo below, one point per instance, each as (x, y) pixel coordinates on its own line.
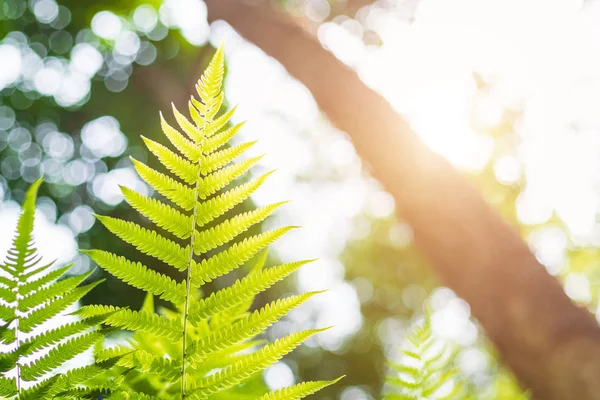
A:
(34, 295)
(425, 369)
(175, 352)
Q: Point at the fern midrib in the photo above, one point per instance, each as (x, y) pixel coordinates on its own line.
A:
(190, 265)
(17, 320)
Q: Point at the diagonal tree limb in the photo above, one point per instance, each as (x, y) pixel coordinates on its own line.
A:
(552, 346)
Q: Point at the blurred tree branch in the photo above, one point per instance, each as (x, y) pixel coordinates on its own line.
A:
(552, 345)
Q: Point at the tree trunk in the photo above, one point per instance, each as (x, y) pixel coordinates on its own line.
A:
(552, 346)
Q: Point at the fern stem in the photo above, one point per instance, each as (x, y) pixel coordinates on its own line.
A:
(17, 341)
(18, 365)
(188, 284)
(188, 288)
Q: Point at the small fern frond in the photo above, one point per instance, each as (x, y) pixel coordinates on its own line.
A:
(34, 295)
(425, 368)
(299, 391)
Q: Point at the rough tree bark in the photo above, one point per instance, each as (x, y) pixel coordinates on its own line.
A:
(552, 346)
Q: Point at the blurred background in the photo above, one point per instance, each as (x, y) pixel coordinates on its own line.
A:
(508, 91)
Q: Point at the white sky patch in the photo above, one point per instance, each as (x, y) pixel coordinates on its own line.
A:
(103, 137)
(106, 186)
(10, 67)
(106, 25)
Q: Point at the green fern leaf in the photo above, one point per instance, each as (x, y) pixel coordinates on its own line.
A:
(227, 260)
(163, 215)
(219, 140)
(174, 352)
(59, 355)
(227, 230)
(54, 307)
(146, 322)
(8, 387)
(185, 146)
(34, 295)
(177, 192)
(247, 327)
(253, 363)
(216, 160)
(299, 391)
(185, 170)
(139, 276)
(220, 204)
(242, 291)
(148, 242)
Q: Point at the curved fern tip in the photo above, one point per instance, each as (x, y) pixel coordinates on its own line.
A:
(319, 330)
